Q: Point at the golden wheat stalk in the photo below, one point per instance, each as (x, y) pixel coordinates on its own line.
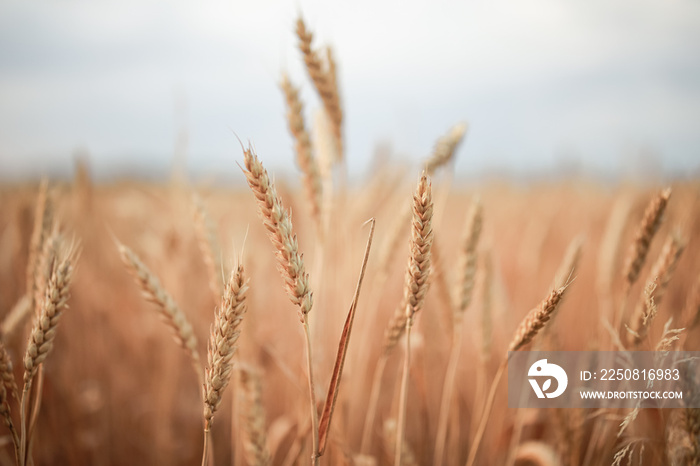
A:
(304, 155)
(43, 333)
(655, 288)
(222, 346)
(43, 217)
(254, 432)
(222, 342)
(528, 329)
(8, 384)
(278, 223)
(45, 262)
(325, 81)
(7, 376)
(415, 287)
(51, 309)
(445, 148)
(467, 261)
(170, 312)
(638, 250)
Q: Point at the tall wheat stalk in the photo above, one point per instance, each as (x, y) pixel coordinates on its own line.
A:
(43, 333)
(325, 80)
(415, 287)
(222, 346)
(654, 289)
(170, 312)
(290, 264)
(304, 154)
(528, 329)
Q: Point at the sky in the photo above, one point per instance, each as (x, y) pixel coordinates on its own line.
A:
(606, 87)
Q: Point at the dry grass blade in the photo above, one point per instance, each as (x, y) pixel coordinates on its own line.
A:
(333, 388)
(325, 81)
(222, 342)
(445, 148)
(255, 436)
(304, 155)
(638, 250)
(169, 310)
(279, 229)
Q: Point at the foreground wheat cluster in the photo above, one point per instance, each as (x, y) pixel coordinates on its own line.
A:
(371, 327)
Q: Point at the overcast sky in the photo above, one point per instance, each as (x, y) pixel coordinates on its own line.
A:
(543, 83)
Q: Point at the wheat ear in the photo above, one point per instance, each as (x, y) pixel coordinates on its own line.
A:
(8, 384)
(536, 319)
(304, 154)
(222, 342)
(222, 346)
(325, 82)
(171, 313)
(278, 223)
(528, 329)
(445, 148)
(467, 261)
(53, 304)
(6, 372)
(415, 287)
(43, 333)
(655, 288)
(255, 437)
(638, 250)
(43, 215)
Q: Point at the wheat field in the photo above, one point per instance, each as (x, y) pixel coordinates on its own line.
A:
(229, 272)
